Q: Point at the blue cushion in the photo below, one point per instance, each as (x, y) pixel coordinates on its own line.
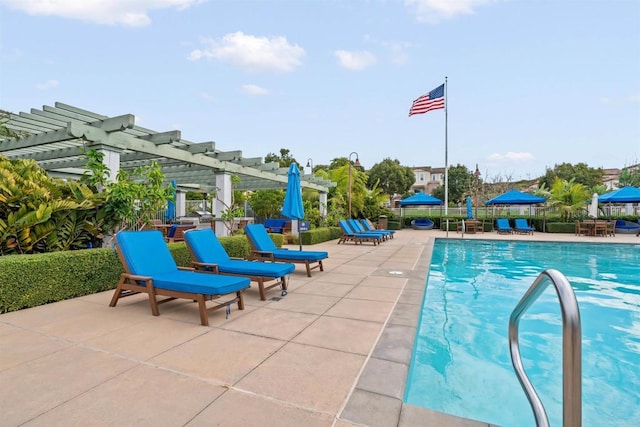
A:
(259, 237)
(145, 252)
(300, 255)
(200, 283)
(256, 268)
(205, 246)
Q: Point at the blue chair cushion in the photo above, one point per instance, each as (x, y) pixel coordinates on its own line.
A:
(260, 238)
(300, 255)
(256, 268)
(206, 247)
(145, 252)
(200, 283)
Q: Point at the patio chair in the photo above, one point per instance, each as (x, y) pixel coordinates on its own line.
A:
(521, 226)
(581, 229)
(150, 268)
(350, 235)
(209, 255)
(359, 228)
(265, 250)
(503, 227)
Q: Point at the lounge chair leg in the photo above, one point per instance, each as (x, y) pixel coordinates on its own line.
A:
(263, 295)
(308, 269)
(321, 266)
(202, 306)
(152, 300)
(116, 296)
(240, 300)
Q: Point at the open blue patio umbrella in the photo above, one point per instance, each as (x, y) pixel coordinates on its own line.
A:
(621, 195)
(469, 208)
(170, 215)
(293, 208)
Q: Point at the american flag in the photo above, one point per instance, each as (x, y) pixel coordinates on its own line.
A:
(434, 100)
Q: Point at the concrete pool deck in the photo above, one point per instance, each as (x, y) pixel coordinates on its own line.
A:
(333, 352)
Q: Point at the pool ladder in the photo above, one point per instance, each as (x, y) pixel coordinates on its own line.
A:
(571, 349)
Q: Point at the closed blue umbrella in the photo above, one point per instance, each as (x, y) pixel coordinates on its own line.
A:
(171, 204)
(469, 208)
(292, 207)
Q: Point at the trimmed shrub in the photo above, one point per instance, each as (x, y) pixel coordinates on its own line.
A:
(32, 280)
(319, 235)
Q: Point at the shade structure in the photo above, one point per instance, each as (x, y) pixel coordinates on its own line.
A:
(593, 207)
(171, 204)
(469, 208)
(515, 197)
(293, 208)
(420, 199)
(621, 195)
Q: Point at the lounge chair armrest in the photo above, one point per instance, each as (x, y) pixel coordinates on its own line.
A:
(187, 268)
(205, 266)
(262, 255)
(136, 277)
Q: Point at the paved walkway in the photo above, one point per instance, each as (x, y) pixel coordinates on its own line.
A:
(333, 352)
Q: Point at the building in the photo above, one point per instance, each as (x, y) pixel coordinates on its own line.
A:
(427, 179)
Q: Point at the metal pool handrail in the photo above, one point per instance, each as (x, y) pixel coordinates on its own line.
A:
(571, 349)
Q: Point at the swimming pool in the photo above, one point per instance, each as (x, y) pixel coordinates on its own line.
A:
(461, 365)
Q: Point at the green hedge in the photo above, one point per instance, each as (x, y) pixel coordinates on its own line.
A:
(319, 235)
(33, 280)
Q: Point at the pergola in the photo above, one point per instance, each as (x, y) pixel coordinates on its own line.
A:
(59, 135)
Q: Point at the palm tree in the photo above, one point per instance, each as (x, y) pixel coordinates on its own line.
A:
(568, 197)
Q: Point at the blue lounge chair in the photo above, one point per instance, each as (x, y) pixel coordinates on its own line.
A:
(265, 250)
(359, 228)
(209, 255)
(350, 235)
(369, 227)
(503, 227)
(150, 268)
(522, 227)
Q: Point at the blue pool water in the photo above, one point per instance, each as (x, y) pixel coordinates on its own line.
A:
(461, 364)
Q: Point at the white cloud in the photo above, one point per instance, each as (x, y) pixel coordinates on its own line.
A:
(399, 55)
(49, 84)
(132, 13)
(511, 156)
(254, 90)
(251, 52)
(355, 60)
(434, 11)
(207, 96)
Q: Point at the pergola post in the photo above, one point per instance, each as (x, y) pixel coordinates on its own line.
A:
(111, 160)
(223, 200)
(323, 204)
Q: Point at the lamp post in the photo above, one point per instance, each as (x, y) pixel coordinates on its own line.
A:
(477, 175)
(356, 163)
(310, 164)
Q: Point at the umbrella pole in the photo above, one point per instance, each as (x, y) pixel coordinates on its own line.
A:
(299, 236)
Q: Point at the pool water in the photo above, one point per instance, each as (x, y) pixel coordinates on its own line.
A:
(461, 364)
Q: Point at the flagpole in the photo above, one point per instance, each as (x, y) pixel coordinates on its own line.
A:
(446, 157)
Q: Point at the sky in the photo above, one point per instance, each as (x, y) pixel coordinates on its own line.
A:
(530, 84)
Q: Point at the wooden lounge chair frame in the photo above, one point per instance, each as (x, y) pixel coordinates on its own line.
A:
(263, 255)
(132, 284)
(260, 280)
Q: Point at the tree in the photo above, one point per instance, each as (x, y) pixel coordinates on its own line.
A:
(580, 173)
(567, 197)
(461, 182)
(284, 159)
(267, 203)
(391, 177)
(630, 177)
(340, 193)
